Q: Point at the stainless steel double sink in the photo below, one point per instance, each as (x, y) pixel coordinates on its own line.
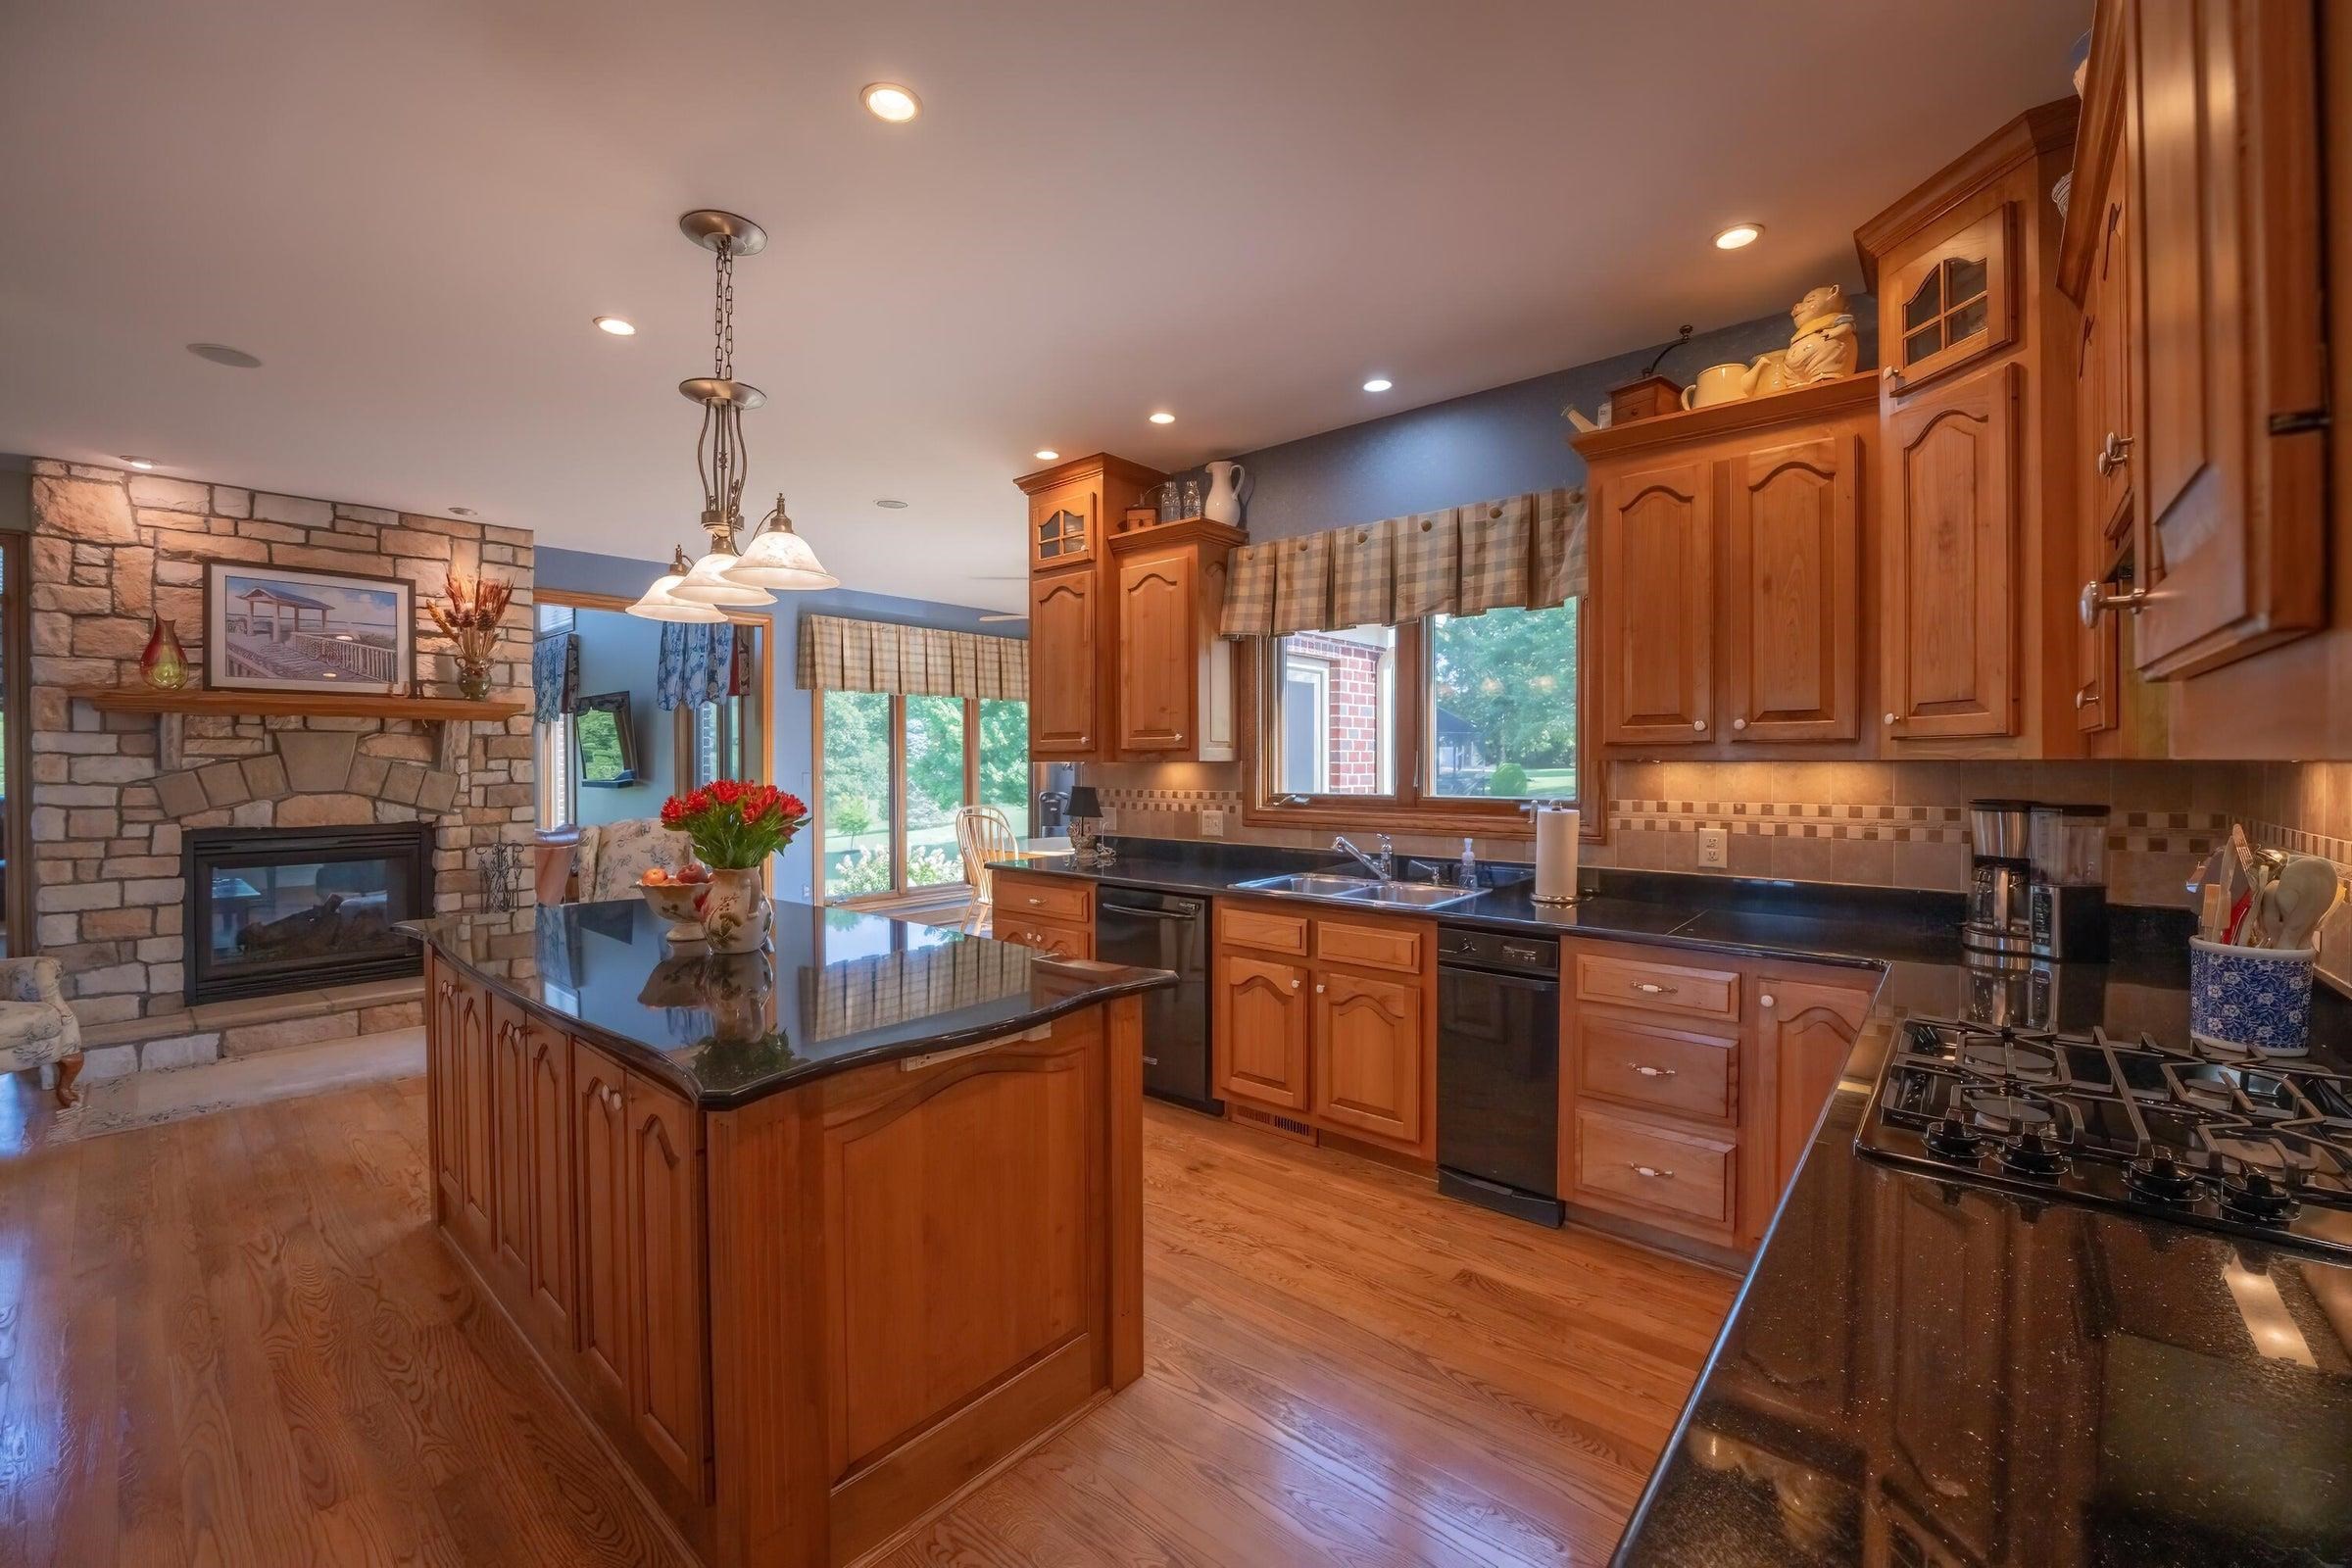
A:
(1360, 889)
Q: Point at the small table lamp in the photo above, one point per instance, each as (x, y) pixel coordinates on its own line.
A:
(1086, 823)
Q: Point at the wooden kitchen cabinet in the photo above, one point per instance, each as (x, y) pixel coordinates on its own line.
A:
(1806, 1024)
(1050, 914)
(548, 1132)
(601, 1187)
(469, 1017)
(510, 1146)
(1728, 546)
(1977, 488)
(669, 1401)
(1344, 1040)
(1063, 656)
(1174, 674)
(1261, 1031)
(1949, 613)
(1075, 614)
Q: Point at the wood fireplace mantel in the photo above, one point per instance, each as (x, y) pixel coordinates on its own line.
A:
(453, 713)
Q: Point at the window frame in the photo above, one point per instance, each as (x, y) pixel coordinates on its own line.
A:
(899, 892)
(1409, 807)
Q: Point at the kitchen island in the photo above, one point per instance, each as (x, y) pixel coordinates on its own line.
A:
(812, 1237)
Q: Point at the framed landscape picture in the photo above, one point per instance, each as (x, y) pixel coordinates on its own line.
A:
(275, 628)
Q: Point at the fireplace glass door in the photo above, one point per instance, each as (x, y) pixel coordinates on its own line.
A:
(279, 910)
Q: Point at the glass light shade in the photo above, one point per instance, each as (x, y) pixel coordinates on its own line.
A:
(658, 604)
(781, 559)
(707, 583)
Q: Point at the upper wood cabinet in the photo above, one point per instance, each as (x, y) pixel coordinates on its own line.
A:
(1076, 610)
(1729, 545)
(1174, 679)
(1657, 608)
(1792, 562)
(1949, 640)
(2222, 116)
(1063, 644)
(1977, 488)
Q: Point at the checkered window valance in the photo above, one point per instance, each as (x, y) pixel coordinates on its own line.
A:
(1523, 552)
(841, 655)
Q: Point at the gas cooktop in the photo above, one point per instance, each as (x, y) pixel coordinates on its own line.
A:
(2247, 1145)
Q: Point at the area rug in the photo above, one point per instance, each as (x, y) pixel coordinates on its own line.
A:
(150, 1099)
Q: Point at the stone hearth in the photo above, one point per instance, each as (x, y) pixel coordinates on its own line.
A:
(111, 550)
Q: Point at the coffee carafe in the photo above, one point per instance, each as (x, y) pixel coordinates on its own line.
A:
(2069, 898)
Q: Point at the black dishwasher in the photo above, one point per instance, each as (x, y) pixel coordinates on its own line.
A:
(1164, 931)
(1499, 1072)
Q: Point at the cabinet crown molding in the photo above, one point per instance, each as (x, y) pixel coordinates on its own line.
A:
(2038, 132)
(1730, 418)
(1080, 467)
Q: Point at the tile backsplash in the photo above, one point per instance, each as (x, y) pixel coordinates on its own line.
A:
(1880, 824)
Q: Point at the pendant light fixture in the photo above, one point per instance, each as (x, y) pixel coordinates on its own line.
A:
(721, 577)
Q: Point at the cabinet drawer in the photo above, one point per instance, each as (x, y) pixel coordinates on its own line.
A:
(1635, 1163)
(1665, 1069)
(1042, 899)
(1659, 987)
(1062, 940)
(1370, 947)
(1267, 930)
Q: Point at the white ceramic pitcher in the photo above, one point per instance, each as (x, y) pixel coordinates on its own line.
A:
(1224, 503)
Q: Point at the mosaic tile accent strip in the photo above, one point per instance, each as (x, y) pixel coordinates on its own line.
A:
(1870, 824)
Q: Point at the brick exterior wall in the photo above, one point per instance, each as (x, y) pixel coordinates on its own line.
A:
(1352, 738)
(110, 551)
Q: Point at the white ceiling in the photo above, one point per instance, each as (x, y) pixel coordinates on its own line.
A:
(1234, 209)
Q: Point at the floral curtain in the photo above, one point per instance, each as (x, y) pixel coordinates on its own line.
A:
(841, 655)
(697, 664)
(555, 675)
(1525, 551)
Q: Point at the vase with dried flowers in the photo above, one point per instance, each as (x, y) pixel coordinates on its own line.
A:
(467, 613)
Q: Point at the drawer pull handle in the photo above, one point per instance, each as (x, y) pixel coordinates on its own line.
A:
(1033, 902)
(2114, 453)
(1651, 988)
(1652, 1173)
(1648, 1071)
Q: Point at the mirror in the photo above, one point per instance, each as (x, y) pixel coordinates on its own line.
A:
(605, 742)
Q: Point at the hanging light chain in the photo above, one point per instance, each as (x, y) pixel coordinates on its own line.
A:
(722, 325)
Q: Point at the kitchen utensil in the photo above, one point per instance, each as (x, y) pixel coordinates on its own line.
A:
(1717, 383)
(2306, 889)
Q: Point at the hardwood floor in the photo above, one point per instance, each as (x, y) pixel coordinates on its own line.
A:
(236, 1340)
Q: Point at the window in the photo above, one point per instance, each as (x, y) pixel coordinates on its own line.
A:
(1445, 725)
(894, 772)
(559, 796)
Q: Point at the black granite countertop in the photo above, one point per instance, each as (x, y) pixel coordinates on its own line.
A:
(1923, 1372)
(838, 989)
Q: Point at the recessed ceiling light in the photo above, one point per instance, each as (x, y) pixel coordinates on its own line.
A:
(1379, 383)
(1047, 455)
(460, 511)
(222, 354)
(616, 326)
(889, 505)
(1163, 417)
(140, 464)
(1739, 234)
(887, 100)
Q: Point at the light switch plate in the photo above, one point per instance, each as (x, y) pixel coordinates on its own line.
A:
(1714, 847)
(1212, 824)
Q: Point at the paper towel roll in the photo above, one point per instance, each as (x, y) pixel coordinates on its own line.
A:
(1557, 828)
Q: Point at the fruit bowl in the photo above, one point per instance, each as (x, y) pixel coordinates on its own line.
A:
(675, 903)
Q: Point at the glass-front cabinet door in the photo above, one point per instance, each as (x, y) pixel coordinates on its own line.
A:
(1064, 524)
(1950, 304)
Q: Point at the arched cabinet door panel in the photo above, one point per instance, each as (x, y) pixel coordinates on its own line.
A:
(1062, 644)
(1793, 591)
(1655, 590)
(1261, 1031)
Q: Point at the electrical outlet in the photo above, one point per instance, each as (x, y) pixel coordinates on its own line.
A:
(1714, 847)
(1212, 824)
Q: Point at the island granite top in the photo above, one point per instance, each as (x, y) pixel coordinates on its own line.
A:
(837, 989)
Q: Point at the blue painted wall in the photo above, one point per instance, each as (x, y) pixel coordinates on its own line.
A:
(581, 572)
(623, 653)
(1493, 443)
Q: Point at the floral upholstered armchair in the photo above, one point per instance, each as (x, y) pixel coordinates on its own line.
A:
(36, 1027)
(613, 855)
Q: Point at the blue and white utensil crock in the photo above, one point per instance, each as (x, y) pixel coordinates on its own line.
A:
(2250, 999)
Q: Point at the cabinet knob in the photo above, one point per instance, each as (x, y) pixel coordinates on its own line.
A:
(2082, 697)
(1295, 984)
(2096, 598)
(1652, 1173)
(1890, 718)
(2114, 453)
(1647, 1071)
(1319, 988)
(1698, 723)
(1738, 723)
(1764, 1000)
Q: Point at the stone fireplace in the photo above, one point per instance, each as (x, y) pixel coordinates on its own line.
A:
(118, 798)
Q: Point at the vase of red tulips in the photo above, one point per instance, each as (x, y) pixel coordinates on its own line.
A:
(735, 825)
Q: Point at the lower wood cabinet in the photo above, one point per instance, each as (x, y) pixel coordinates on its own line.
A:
(669, 1398)
(1691, 1085)
(601, 1187)
(1050, 914)
(1331, 1021)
